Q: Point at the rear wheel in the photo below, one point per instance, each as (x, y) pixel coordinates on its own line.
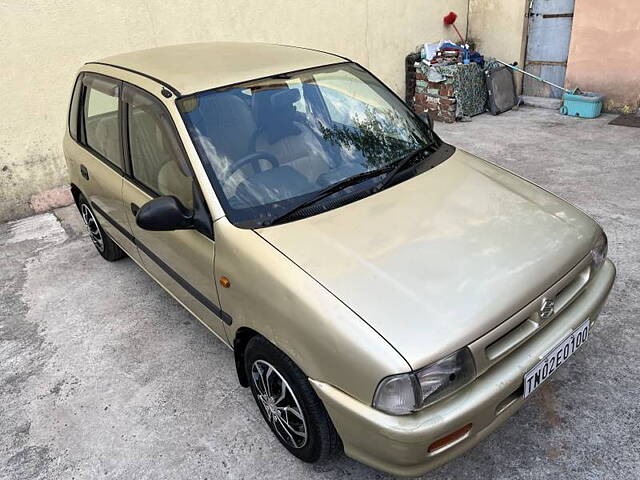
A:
(106, 247)
(289, 404)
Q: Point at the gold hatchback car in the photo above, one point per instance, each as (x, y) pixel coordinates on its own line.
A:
(383, 292)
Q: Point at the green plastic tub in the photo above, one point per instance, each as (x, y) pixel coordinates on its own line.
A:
(585, 105)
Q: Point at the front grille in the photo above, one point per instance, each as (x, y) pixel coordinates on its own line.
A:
(522, 326)
(568, 294)
(511, 340)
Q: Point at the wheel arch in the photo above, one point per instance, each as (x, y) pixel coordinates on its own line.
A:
(75, 192)
(240, 341)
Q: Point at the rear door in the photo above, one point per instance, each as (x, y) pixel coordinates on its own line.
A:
(97, 152)
(182, 260)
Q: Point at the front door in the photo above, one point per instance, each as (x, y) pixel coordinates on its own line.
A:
(549, 34)
(182, 260)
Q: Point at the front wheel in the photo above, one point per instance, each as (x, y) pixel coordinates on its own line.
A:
(289, 404)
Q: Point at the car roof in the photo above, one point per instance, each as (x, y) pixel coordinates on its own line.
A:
(195, 67)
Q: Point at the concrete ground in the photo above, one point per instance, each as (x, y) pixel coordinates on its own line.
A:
(103, 374)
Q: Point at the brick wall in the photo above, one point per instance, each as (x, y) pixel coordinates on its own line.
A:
(436, 99)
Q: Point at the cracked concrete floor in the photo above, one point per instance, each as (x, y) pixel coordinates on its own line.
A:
(102, 374)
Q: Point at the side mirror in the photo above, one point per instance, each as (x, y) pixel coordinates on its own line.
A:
(164, 214)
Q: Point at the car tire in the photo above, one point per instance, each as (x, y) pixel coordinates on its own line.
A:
(104, 244)
(287, 398)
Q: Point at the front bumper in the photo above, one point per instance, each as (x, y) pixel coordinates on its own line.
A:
(398, 444)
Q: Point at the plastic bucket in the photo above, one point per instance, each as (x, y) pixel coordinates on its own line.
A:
(585, 105)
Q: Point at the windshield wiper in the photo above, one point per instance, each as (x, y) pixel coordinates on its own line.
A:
(400, 165)
(327, 191)
(393, 168)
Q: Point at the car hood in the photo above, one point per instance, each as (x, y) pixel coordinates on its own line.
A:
(436, 261)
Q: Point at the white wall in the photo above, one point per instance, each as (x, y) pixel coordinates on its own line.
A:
(43, 43)
(499, 29)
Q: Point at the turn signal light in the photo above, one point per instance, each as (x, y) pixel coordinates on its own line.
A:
(451, 438)
(225, 282)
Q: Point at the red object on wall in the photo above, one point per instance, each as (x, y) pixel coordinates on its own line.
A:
(451, 18)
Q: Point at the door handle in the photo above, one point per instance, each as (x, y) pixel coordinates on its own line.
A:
(84, 172)
(135, 209)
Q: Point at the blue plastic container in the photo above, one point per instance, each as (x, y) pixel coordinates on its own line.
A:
(585, 105)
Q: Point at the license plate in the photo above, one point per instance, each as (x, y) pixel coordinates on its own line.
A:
(556, 357)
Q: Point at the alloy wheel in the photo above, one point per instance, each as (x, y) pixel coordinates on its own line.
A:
(279, 404)
(92, 225)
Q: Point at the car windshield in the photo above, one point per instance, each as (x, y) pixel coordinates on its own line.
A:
(271, 144)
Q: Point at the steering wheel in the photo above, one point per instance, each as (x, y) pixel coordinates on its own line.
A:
(253, 158)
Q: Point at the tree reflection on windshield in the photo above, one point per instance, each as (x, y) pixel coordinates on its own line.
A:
(374, 135)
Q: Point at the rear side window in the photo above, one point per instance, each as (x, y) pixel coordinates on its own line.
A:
(101, 118)
(73, 109)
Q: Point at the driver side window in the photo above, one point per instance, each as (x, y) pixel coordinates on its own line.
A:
(157, 161)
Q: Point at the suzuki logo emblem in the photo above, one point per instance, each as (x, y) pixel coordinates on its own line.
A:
(547, 308)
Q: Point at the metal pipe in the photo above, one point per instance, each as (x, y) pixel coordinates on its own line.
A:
(533, 76)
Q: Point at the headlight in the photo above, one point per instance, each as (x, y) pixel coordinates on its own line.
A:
(599, 252)
(408, 392)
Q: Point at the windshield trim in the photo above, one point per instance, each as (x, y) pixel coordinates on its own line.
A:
(212, 177)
